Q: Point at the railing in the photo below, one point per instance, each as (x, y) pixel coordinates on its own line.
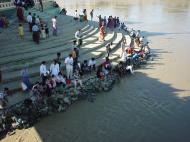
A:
(5, 5)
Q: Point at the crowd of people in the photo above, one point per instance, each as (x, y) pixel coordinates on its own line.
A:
(111, 22)
(68, 79)
(104, 23)
(83, 15)
(73, 67)
(37, 26)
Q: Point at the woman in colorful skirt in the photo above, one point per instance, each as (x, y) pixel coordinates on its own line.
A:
(102, 33)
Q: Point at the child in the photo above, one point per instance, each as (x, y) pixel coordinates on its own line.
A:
(43, 33)
(21, 31)
(47, 31)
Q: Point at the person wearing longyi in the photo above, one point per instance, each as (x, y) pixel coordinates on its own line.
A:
(69, 66)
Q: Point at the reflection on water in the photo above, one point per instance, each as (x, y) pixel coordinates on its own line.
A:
(144, 107)
(149, 11)
(171, 4)
(150, 111)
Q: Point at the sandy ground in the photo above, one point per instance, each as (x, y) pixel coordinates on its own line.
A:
(152, 105)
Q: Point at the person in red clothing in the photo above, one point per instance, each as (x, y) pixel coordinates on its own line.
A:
(107, 64)
(129, 51)
(100, 74)
(102, 33)
(20, 14)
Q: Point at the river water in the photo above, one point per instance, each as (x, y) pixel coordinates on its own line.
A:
(152, 105)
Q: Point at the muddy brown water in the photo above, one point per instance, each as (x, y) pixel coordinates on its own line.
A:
(152, 105)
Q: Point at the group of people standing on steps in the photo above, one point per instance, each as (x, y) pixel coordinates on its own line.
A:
(71, 64)
(74, 69)
(37, 26)
(110, 23)
(21, 5)
(83, 16)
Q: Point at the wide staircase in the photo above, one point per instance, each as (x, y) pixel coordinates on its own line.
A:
(17, 53)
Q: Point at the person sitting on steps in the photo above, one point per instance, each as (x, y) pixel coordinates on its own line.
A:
(3, 97)
(92, 64)
(84, 67)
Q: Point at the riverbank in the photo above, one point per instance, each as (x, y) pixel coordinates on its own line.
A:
(151, 106)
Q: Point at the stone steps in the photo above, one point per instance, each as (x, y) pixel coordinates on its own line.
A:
(43, 15)
(11, 66)
(16, 85)
(61, 31)
(65, 48)
(43, 46)
(46, 16)
(28, 35)
(51, 39)
(34, 70)
(101, 53)
(17, 59)
(16, 50)
(27, 43)
(15, 54)
(115, 50)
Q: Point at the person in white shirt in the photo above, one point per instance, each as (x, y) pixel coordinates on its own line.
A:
(29, 20)
(69, 66)
(54, 25)
(123, 47)
(92, 64)
(132, 33)
(60, 79)
(54, 68)
(130, 68)
(78, 36)
(43, 69)
(76, 16)
(124, 56)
